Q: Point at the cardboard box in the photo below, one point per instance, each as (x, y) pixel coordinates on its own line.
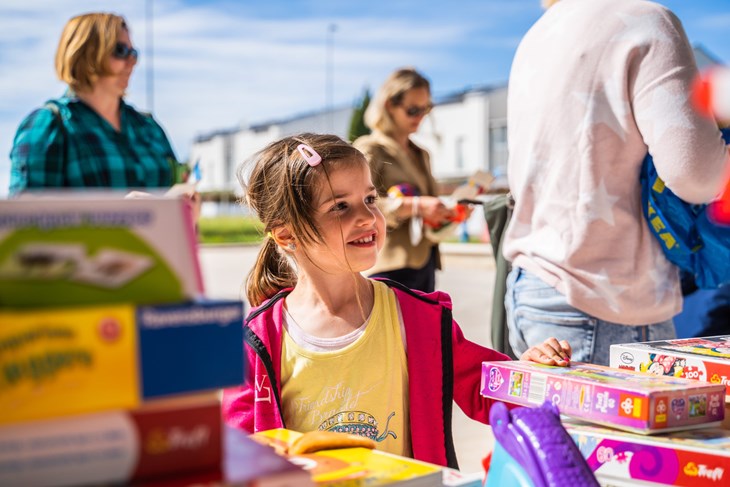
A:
(623, 399)
(65, 361)
(94, 249)
(167, 436)
(694, 458)
(706, 359)
(177, 442)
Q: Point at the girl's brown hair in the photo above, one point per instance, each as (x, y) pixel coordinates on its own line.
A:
(83, 51)
(280, 187)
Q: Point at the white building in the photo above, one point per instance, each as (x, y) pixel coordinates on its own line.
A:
(465, 132)
(220, 153)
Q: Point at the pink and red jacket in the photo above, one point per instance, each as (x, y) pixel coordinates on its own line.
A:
(443, 366)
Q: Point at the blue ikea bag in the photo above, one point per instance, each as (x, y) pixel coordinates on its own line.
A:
(688, 237)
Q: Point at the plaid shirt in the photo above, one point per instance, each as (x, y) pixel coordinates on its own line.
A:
(86, 151)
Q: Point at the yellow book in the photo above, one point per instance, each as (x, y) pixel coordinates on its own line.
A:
(354, 467)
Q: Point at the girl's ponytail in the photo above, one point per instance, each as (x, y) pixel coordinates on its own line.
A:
(271, 273)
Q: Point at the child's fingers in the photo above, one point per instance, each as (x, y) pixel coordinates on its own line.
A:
(553, 347)
(544, 355)
(566, 348)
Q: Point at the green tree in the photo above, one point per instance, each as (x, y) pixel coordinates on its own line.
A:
(357, 123)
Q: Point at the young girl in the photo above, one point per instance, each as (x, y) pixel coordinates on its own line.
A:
(329, 349)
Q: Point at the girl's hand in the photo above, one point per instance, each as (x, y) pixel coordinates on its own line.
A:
(549, 352)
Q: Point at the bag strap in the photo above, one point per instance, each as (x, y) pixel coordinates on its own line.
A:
(56, 111)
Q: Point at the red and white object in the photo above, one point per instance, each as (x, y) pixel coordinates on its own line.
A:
(705, 359)
(169, 436)
(711, 93)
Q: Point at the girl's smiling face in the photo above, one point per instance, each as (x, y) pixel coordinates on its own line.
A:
(352, 226)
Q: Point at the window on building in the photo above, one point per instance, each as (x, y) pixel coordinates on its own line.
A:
(498, 150)
(459, 152)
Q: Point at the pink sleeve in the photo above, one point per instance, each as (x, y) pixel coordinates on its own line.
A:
(468, 357)
(687, 148)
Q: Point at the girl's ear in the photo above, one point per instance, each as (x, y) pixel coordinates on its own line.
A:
(284, 238)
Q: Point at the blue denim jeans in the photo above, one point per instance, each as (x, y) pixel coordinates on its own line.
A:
(536, 311)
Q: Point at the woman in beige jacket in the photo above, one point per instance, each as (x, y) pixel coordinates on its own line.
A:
(395, 113)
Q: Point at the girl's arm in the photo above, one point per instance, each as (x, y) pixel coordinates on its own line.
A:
(468, 358)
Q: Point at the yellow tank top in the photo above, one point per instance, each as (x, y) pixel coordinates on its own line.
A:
(361, 388)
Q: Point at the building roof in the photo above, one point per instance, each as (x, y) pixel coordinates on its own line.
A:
(704, 57)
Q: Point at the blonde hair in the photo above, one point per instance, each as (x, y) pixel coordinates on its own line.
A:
(546, 4)
(83, 51)
(281, 188)
(393, 90)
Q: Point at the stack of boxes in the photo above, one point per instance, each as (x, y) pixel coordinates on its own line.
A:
(632, 427)
(111, 361)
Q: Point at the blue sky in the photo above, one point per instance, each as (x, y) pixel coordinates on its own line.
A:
(222, 63)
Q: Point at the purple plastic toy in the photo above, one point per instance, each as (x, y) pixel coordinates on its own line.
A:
(533, 449)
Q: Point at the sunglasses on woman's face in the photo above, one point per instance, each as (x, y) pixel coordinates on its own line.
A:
(123, 51)
(414, 111)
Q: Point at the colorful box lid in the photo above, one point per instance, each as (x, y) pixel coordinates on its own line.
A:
(624, 399)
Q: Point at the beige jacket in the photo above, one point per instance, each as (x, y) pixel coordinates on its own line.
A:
(390, 164)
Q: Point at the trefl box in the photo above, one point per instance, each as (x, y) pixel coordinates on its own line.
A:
(94, 249)
(161, 437)
(624, 399)
(693, 458)
(706, 359)
(57, 362)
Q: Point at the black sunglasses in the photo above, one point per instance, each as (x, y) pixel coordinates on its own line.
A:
(123, 51)
(416, 111)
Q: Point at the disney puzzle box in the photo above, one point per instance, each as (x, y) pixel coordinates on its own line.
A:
(623, 399)
(706, 359)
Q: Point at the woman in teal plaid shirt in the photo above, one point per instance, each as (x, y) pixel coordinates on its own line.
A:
(90, 137)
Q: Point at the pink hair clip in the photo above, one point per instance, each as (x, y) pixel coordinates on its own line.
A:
(310, 155)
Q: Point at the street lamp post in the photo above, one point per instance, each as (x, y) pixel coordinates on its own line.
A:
(148, 58)
(329, 88)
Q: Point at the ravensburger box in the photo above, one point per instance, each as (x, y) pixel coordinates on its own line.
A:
(64, 361)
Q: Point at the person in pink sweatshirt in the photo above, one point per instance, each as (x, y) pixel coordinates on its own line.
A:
(330, 349)
(594, 86)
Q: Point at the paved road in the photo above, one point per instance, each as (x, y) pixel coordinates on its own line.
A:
(468, 276)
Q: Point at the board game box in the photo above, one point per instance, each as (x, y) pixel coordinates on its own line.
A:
(93, 249)
(164, 436)
(64, 361)
(706, 359)
(624, 399)
(693, 458)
